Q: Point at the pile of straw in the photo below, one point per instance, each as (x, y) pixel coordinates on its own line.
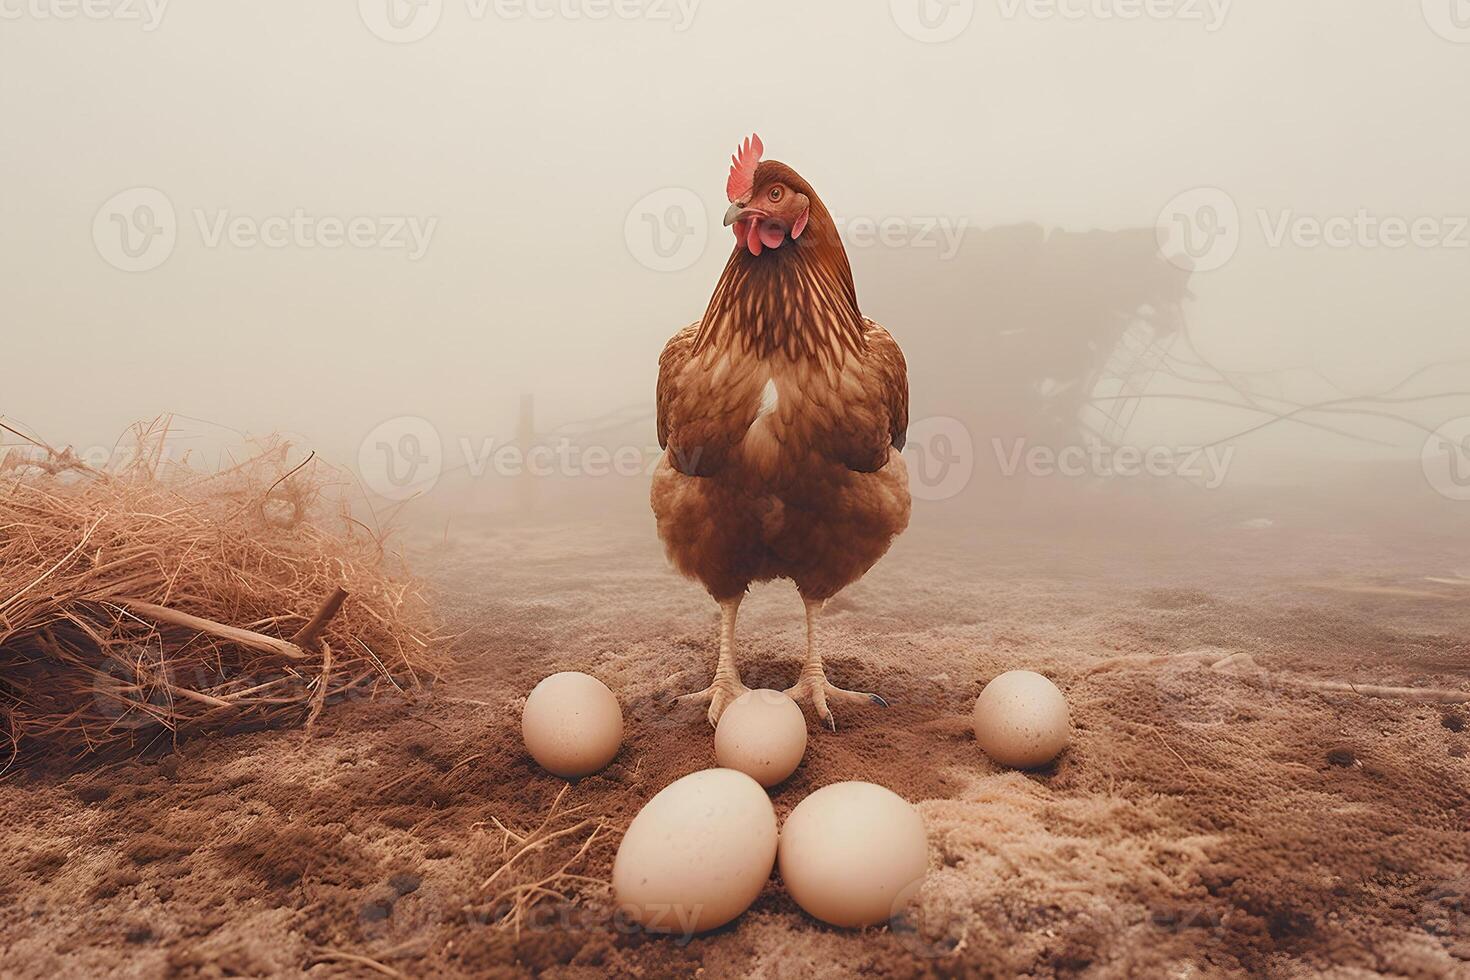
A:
(143, 602)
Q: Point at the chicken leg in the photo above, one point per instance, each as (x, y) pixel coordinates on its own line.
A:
(727, 685)
(813, 681)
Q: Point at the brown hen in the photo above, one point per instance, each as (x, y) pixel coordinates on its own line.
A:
(782, 413)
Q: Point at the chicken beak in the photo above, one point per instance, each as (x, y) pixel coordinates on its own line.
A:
(742, 212)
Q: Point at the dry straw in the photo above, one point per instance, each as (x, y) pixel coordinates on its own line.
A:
(143, 602)
(511, 898)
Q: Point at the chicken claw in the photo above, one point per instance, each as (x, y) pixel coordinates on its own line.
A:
(815, 687)
(719, 695)
(813, 681)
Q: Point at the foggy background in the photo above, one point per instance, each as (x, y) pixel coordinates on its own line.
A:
(1001, 169)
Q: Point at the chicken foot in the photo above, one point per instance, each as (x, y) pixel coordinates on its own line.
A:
(727, 685)
(813, 681)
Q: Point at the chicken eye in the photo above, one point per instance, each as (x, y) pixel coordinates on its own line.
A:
(776, 193)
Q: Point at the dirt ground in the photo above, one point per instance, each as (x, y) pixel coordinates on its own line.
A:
(1203, 822)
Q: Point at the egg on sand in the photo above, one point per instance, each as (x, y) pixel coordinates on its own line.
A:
(697, 855)
(1021, 720)
(572, 724)
(763, 734)
(853, 854)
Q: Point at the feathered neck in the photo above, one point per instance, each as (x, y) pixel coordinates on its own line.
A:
(797, 299)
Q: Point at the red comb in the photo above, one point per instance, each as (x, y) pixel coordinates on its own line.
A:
(742, 169)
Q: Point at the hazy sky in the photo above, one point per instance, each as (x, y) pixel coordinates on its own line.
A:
(517, 138)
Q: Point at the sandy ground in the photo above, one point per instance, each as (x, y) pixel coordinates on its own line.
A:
(1203, 823)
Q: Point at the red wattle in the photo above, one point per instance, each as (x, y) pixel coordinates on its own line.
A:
(754, 241)
(771, 234)
(800, 225)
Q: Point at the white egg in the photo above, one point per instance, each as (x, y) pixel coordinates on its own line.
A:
(697, 854)
(1021, 720)
(763, 734)
(853, 854)
(572, 724)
